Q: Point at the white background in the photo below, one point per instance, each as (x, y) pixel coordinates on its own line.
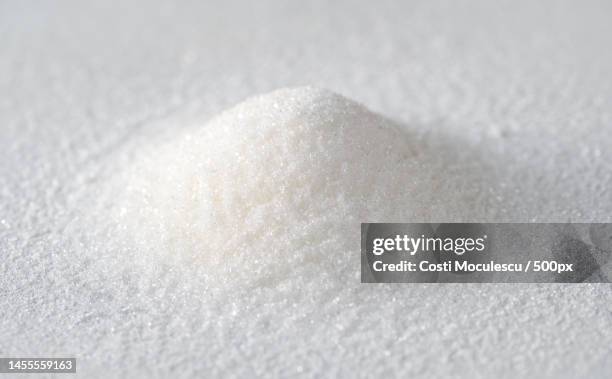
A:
(527, 83)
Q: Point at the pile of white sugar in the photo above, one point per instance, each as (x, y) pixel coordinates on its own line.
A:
(278, 184)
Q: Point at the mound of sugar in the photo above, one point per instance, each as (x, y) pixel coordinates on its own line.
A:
(280, 181)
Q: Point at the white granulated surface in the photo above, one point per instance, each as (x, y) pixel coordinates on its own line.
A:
(511, 100)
